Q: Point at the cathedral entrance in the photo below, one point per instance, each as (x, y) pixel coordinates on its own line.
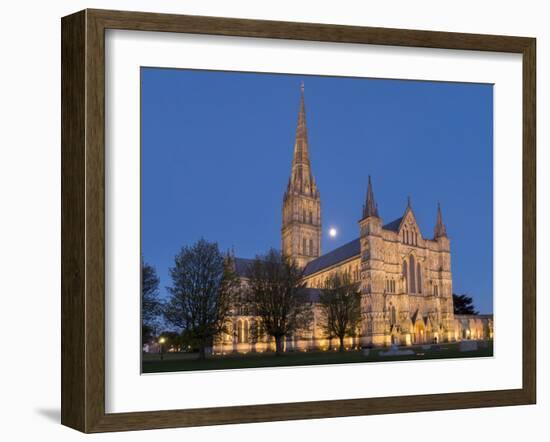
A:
(419, 334)
(395, 338)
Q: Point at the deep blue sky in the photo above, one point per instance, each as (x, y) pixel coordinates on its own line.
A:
(217, 149)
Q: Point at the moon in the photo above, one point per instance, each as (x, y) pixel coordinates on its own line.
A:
(332, 232)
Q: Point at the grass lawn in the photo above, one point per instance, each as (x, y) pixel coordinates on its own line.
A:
(189, 361)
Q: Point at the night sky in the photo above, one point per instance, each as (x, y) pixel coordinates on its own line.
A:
(217, 150)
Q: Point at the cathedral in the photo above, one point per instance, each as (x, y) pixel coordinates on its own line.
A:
(404, 277)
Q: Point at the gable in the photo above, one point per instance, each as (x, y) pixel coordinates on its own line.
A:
(408, 221)
(409, 224)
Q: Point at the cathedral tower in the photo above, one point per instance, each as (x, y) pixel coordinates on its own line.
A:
(444, 279)
(301, 230)
(372, 273)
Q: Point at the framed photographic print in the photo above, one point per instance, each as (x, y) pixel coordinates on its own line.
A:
(268, 220)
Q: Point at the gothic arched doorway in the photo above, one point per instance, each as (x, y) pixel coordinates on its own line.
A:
(419, 333)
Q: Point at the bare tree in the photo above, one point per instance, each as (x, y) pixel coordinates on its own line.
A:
(203, 287)
(340, 303)
(275, 296)
(151, 305)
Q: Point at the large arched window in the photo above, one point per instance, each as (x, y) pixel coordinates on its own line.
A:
(403, 236)
(419, 278)
(304, 215)
(311, 247)
(393, 316)
(242, 331)
(310, 217)
(304, 246)
(412, 272)
(405, 277)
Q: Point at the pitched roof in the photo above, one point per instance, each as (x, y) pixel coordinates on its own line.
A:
(478, 316)
(312, 294)
(242, 265)
(340, 254)
(394, 225)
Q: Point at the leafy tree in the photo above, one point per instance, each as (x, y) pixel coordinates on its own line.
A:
(151, 305)
(275, 296)
(340, 303)
(463, 305)
(203, 286)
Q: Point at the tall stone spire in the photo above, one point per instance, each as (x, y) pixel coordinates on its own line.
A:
(440, 230)
(301, 178)
(370, 208)
(301, 229)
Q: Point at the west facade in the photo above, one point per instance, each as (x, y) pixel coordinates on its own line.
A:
(404, 277)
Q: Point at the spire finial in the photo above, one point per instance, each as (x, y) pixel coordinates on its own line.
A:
(409, 204)
(302, 179)
(370, 208)
(440, 230)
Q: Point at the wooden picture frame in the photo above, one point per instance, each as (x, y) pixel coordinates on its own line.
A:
(83, 220)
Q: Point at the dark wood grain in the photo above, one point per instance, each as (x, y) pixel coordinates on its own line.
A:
(73, 128)
(145, 21)
(95, 221)
(83, 220)
(529, 222)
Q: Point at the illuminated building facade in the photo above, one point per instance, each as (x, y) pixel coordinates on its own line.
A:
(404, 277)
